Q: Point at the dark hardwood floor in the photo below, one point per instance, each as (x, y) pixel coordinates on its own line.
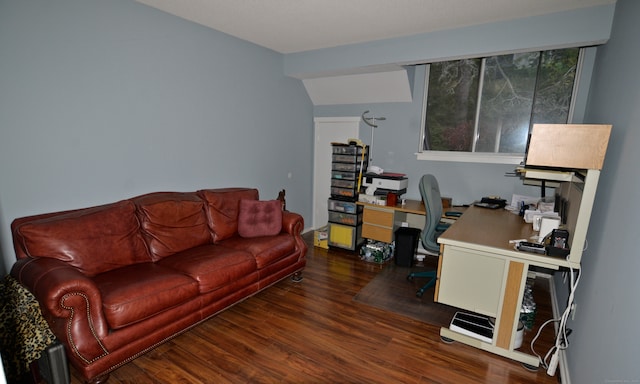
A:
(314, 332)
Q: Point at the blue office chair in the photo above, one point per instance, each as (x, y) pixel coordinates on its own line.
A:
(433, 227)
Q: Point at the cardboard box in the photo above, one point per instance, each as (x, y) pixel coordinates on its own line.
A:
(321, 237)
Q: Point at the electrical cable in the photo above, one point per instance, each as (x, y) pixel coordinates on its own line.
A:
(561, 341)
(543, 361)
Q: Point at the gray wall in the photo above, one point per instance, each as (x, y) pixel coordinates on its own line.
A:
(605, 344)
(396, 141)
(585, 26)
(104, 100)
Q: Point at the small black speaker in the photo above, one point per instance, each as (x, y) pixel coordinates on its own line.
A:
(53, 366)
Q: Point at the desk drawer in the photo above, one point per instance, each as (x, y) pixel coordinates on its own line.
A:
(344, 206)
(345, 218)
(374, 232)
(345, 236)
(344, 167)
(344, 175)
(351, 184)
(471, 280)
(378, 216)
(342, 192)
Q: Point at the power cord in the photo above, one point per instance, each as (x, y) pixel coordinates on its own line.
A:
(543, 361)
(562, 341)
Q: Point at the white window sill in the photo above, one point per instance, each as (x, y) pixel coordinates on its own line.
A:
(468, 157)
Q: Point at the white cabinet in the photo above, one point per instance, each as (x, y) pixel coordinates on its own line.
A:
(471, 280)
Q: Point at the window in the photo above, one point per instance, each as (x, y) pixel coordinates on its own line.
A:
(486, 106)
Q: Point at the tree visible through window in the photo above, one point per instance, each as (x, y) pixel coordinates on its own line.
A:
(489, 104)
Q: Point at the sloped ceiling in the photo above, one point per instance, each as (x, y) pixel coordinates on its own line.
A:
(290, 26)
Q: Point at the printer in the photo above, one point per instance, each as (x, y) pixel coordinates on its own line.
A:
(381, 184)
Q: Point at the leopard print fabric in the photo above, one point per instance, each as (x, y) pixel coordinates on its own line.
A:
(24, 333)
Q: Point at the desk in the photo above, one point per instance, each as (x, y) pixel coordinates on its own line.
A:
(479, 271)
(379, 222)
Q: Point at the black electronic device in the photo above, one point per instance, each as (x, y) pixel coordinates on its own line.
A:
(558, 243)
(494, 200)
(531, 247)
(486, 205)
(52, 365)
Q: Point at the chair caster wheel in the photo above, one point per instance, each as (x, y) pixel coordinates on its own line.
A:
(410, 278)
(419, 293)
(446, 340)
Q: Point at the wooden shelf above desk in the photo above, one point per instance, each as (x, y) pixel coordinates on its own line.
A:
(570, 146)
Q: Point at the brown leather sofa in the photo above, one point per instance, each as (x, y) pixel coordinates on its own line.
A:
(115, 281)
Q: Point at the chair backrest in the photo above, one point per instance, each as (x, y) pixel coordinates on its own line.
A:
(433, 204)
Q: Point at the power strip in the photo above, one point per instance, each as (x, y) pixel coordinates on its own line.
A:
(553, 364)
(555, 309)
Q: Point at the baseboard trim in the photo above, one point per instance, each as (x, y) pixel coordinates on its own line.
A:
(555, 308)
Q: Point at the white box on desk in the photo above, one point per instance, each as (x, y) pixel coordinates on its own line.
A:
(371, 199)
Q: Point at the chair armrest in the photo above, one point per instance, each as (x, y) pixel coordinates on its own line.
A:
(453, 214)
(69, 301)
(441, 227)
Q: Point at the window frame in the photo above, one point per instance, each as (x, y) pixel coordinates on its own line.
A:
(487, 157)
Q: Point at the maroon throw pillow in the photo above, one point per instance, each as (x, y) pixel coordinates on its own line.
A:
(259, 218)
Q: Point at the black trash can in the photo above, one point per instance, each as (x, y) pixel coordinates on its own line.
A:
(406, 245)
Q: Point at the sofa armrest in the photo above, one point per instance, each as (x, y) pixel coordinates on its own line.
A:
(292, 223)
(69, 301)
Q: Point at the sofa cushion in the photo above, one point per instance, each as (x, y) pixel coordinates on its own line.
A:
(266, 250)
(94, 240)
(137, 292)
(212, 266)
(259, 218)
(222, 209)
(172, 222)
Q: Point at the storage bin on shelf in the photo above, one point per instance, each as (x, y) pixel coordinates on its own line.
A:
(349, 162)
(344, 206)
(345, 236)
(346, 167)
(345, 218)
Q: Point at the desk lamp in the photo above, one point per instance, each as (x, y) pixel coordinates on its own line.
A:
(371, 121)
